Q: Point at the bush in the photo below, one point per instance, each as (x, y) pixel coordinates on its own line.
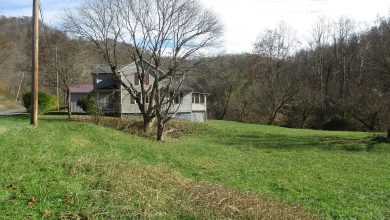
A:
(90, 106)
(338, 123)
(45, 102)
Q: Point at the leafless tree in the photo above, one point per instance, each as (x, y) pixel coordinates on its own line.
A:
(274, 47)
(342, 33)
(318, 45)
(62, 65)
(164, 33)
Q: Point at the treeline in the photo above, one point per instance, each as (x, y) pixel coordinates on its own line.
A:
(341, 81)
(60, 55)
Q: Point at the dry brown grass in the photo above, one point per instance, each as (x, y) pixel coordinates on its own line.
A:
(80, 142)
(173, 129)
(6, 105)
(2, 130)
(154, 192)
(6, 101)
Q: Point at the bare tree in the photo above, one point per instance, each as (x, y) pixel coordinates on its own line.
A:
(342, 33)
(319, 44)
(274, 47)
(163, 33)
(62, 66)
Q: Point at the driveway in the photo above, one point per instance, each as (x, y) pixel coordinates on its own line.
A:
(7, 113)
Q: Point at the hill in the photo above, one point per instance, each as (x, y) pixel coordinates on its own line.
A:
(226, 169)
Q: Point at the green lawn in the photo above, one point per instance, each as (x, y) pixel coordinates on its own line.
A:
(228, 169)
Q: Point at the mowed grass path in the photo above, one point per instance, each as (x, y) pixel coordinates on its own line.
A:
(78, 169)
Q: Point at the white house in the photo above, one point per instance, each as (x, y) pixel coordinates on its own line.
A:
(114, 99)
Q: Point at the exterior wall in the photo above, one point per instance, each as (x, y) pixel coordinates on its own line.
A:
(186, 111)
(184, 116)
(179, 116)
(73, 101)
(131, 115)
(127, 107)
(186, 102)
(127, 76)
(198, 116)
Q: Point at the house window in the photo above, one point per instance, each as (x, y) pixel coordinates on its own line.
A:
(132, 99)
(178, 98)
(202, 98)
(137, 80)
(195, 98)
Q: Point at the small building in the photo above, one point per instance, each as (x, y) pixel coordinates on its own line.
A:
(76, 92)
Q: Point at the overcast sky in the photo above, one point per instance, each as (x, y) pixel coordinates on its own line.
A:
(243, 19)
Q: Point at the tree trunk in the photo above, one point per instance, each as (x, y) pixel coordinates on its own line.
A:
(69, 104)
(148, 123)
(271, 118)
(160, 130)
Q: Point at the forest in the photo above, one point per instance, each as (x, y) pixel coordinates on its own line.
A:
(338, 80)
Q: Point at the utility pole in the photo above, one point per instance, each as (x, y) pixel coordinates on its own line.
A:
(58, 95)
(35, 54)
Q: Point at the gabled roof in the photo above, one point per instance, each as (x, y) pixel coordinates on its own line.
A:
(81, 88)
(106, 69)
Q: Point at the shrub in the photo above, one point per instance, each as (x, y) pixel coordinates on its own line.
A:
(45, 102)
(90, 106)
(338, 123)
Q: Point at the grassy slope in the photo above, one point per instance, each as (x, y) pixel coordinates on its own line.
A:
(68, 167)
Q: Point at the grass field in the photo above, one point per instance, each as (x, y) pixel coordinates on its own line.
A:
(225, 169)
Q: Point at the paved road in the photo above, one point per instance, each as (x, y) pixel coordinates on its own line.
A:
(4, 114)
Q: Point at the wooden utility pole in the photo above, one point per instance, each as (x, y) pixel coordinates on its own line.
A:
(57, 92)
(35, 54)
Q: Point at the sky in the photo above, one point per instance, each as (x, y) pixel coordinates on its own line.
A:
(243, 20)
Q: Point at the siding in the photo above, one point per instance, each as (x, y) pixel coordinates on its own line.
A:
(187, 110)
(127, 107)
(179, 116)
(198, 116)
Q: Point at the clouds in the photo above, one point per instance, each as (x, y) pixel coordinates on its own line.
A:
(243, 19)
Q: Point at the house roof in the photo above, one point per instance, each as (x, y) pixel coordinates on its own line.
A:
(81, 88)
(105, 68)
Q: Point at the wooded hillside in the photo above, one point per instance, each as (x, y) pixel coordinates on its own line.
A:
(341, 81)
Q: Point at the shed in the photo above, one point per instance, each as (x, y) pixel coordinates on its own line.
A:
(77, 91)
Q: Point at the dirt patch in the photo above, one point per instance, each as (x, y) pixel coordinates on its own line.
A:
(154, 192)
(79, 142)
(3, 130)
(173, 129)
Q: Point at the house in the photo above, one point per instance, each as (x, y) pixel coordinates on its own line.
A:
(114, 99)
